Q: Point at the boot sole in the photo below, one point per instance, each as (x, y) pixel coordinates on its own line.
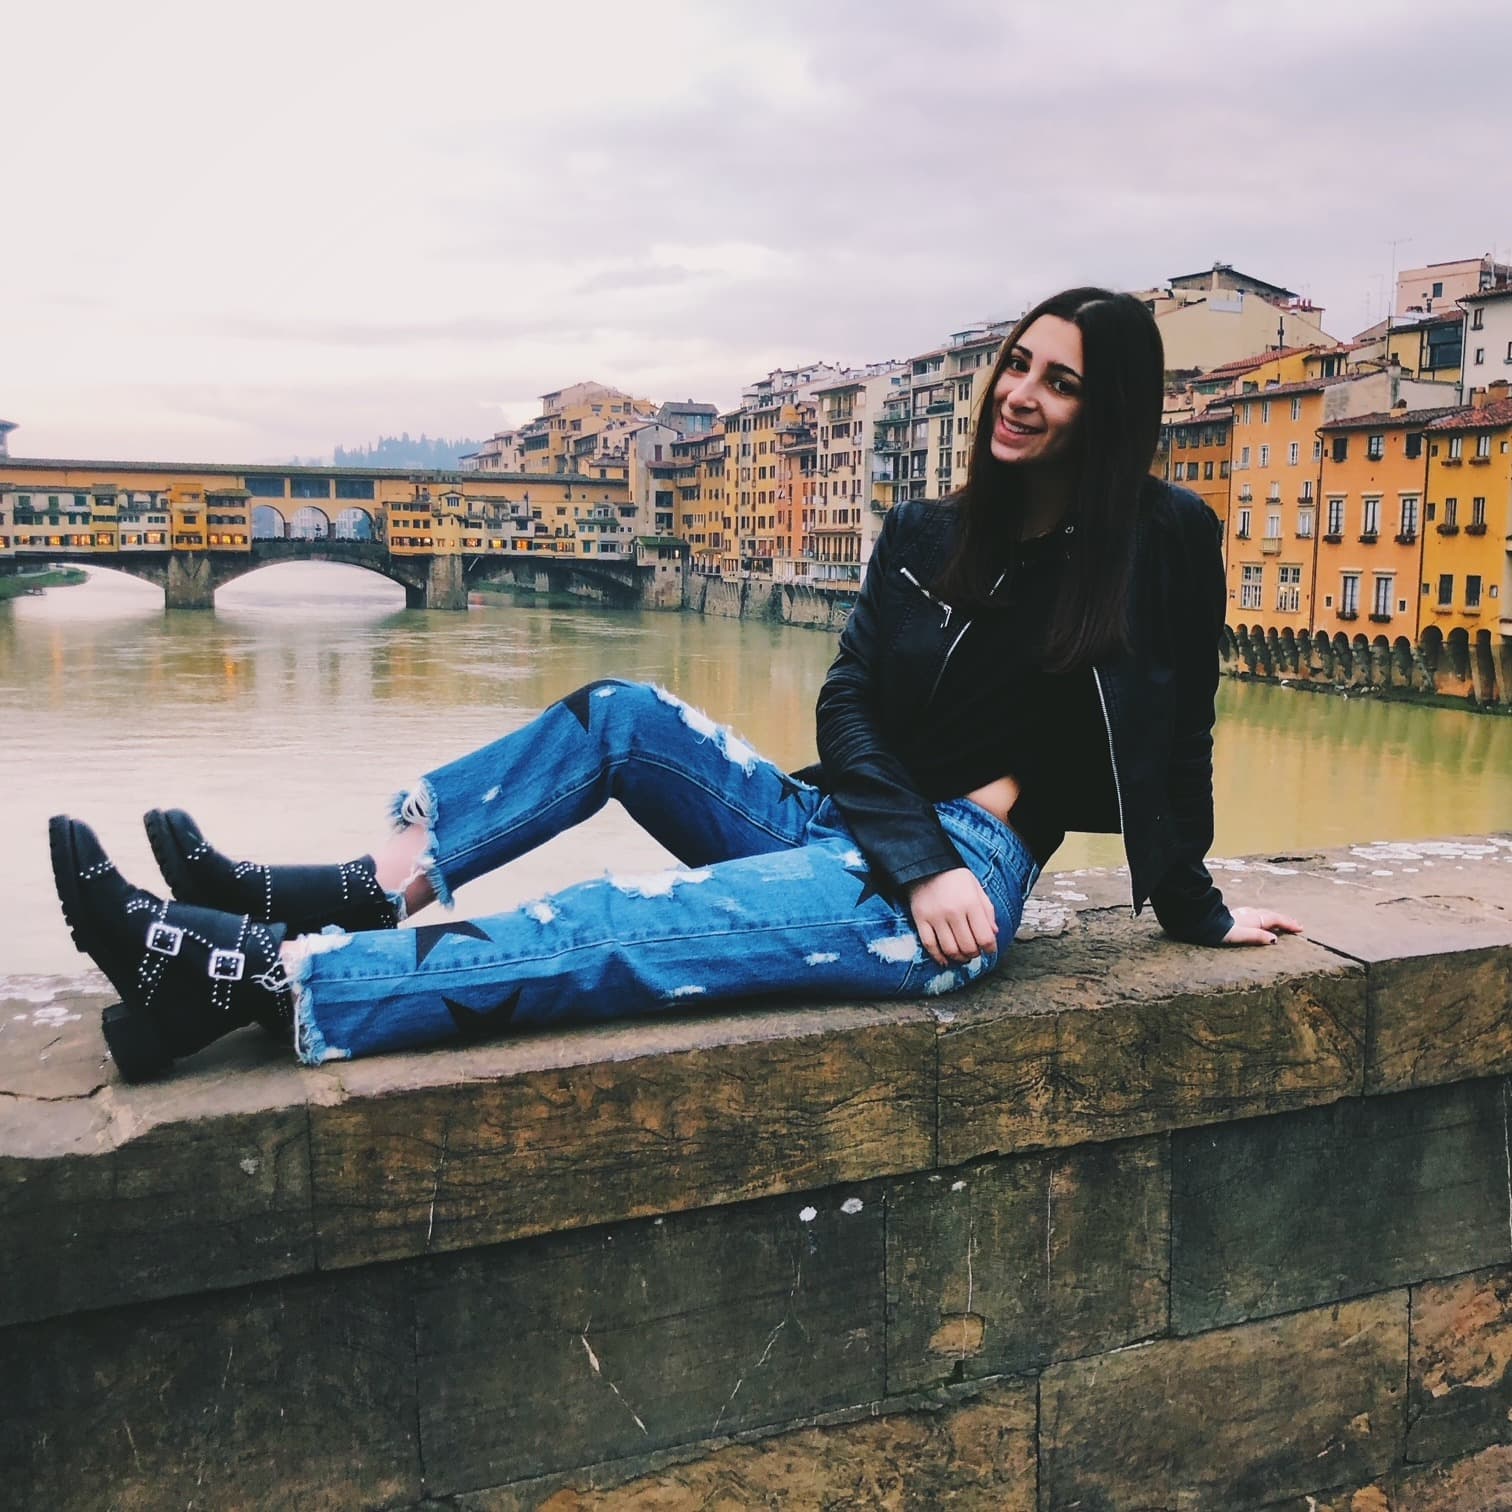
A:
(170, 858)
(135, 1043)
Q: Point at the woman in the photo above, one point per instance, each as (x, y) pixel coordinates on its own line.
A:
(1035, 655)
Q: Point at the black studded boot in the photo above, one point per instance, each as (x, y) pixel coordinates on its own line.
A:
(304, 898)
(186, 975)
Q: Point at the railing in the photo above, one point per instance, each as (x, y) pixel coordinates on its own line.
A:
(1271, 545)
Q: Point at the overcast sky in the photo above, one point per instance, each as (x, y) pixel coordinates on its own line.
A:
(254, 233)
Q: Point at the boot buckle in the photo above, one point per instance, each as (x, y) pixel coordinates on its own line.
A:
(227, 965)
(164, 939)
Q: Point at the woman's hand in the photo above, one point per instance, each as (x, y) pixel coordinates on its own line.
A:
(1259, 926)
(953, 917)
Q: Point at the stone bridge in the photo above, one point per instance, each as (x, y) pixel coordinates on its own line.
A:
(189, 578)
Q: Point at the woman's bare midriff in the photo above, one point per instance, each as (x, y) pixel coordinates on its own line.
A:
(997, 796)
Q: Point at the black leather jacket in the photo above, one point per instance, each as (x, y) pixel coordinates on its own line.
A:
(1157, 701)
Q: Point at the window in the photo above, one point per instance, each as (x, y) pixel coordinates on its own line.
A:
(1446, 589)
(1409, 515)
(1294, 454)
(1289, 593)
(1477, 319)
(1482, 447)
(1438, 289)
(1297, 408)
(1375, 447)
(1456, 448)
(265, 488)
(1223, 467)
(1385, 591)
(1265, 412)
(1480, 356)
(1244, 456)
(1336, 517)
(1250, 585)
(1318, 449)
(1305, 523)
(354, 488)
(309, 488)
(1207, 470)
(1451, 511)
(1349, 595)
(1473, 591)
(1307, 492)
(1273, 524)
(1249, 413)
(1341, 448)
(1265, 456)
(1413, 446)
(1478, 512)
(1370, 524)
(1244, 525)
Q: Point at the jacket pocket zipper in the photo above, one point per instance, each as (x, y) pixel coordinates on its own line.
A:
(938, 603)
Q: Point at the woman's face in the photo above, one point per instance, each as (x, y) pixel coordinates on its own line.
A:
(1038, 397)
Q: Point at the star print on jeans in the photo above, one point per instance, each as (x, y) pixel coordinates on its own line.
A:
(428, 936)
(790, 789)
(863, 876)
(579, 701)
(477, 1024)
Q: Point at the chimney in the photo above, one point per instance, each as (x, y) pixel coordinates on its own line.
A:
(1493, 393)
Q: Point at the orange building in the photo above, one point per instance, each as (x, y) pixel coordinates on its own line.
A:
(1370, 548)
(1195, 452)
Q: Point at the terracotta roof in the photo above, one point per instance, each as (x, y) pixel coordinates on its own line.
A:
(1505, 292)
(1303, 386)
(1207, 417)
(1247, 364)
(1389, 419)
(1497, 413)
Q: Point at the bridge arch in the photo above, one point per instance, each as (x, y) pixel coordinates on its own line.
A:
(354, 524)
(310, 523)
(268, 523)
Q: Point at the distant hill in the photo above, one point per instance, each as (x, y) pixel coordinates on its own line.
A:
(405, 451)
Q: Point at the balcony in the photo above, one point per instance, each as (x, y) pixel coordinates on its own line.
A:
(1333, 538)
(1406, 538)
(1453, 461)
(1349, 614)
(1380, 619)
(1305, 498)
(1368, 537)
(1479, 461)
(1270, 545)
(1476, 530)
(1447, 529)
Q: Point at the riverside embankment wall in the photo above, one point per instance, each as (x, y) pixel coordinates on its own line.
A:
(1127, 1225)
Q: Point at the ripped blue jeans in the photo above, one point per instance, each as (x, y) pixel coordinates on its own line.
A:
(771, 893)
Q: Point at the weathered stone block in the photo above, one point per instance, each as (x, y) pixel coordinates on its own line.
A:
(295, 1394)
(1111, 1031)
(997, 1267)
(1480, 1483)
(974, 1453)
(1270, 1215)
(1229, 1420)
(112, 1194)
(1439, 1018)
(1460, 1388)
(431, 1153)
(547, 1354)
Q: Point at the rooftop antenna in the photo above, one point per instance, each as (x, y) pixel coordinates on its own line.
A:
(1400, 241)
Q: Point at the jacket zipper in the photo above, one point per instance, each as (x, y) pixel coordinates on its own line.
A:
(938, 603)
(1113, 762)
(945, 625)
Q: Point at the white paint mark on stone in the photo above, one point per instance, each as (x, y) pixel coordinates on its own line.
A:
(820, 957)
(53, 1017)
(957, 1186)
(542, 912)
(1070, 896)
(898, 948)
(852, 1205)
(491, 794)
(249, 1164)
(807, 1215)
(1380, 873)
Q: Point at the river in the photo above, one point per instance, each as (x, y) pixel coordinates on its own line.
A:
(285, 720)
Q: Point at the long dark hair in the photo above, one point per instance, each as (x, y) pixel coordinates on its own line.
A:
(1118, 427)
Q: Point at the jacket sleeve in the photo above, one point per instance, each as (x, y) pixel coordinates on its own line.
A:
(895, 826)
(1185, 900)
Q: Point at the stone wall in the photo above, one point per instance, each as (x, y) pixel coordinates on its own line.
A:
(1128, 1225)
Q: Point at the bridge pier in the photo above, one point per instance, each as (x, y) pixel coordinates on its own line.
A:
(190, 582)
(445, 587)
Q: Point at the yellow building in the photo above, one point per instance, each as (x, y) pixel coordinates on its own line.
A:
(581, 430)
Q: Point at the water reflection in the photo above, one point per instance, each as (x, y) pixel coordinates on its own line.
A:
(286, 719)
